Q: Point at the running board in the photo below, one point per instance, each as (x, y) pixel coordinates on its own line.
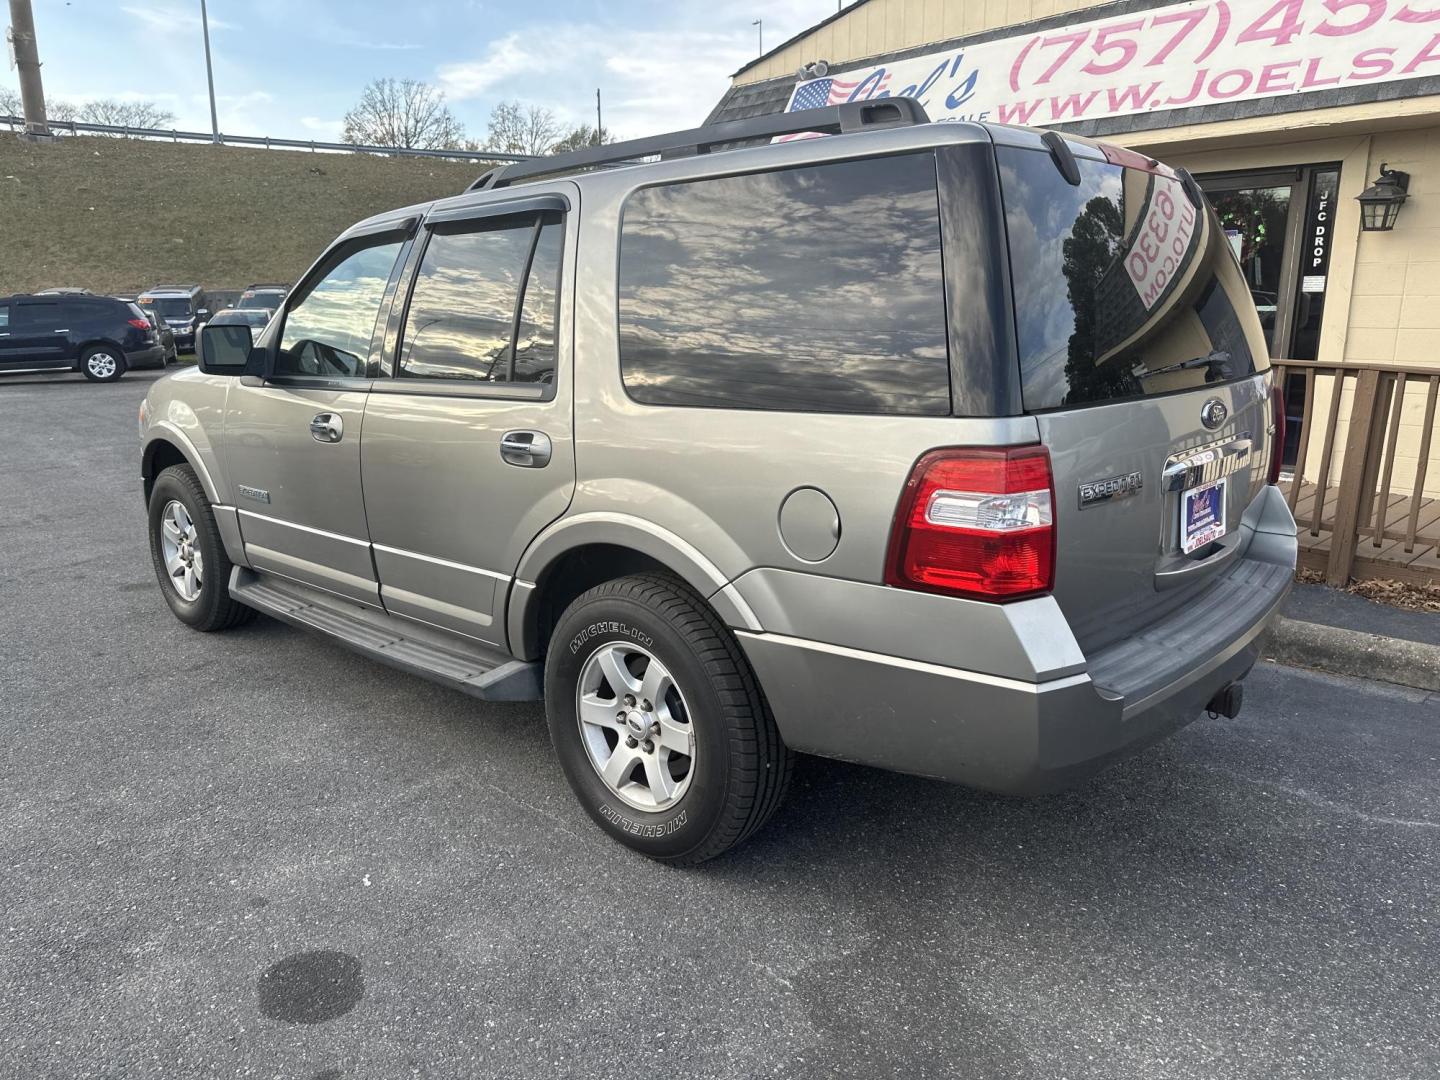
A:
(472, 668)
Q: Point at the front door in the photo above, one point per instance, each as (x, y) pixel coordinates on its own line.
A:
(292, 444)
(467, 450)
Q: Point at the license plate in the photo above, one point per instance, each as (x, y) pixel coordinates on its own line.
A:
(1202, 516)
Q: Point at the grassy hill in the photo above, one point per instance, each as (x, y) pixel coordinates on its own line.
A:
(119, 215)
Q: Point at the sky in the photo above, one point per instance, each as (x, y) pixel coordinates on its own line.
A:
(291, 68)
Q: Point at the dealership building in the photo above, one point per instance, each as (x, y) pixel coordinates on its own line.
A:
(1286, 111)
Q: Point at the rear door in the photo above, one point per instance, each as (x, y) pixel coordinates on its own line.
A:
(467, 452)
(37, 336)
(1143, 362)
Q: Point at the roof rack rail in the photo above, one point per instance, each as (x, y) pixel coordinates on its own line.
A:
(829, 120)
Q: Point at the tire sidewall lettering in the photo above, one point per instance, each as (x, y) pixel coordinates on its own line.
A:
(609, 626)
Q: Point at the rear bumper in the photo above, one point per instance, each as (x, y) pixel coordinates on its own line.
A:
(1017, 735)
(150, 357)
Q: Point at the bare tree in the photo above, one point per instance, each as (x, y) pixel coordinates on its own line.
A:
(582, 136)
(10, 102)
(520, 129)
(405, 113)
(135, 114)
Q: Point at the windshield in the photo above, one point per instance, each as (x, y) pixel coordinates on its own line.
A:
(169, 307)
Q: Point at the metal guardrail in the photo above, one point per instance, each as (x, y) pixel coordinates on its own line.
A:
(76, 127)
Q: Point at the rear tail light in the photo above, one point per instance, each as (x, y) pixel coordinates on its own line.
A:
(976, 522)
(1277, 440)
(139, 324)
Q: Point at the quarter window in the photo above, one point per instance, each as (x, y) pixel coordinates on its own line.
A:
(328, 332)
(468, 318)
(4, 316)
(816, 289)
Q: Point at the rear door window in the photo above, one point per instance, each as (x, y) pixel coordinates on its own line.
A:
(475, 313)
(4, 317)
(1123, 287)
(40, 314)
(816, 289)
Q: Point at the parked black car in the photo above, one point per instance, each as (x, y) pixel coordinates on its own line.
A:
(180, 307)
(96, 335)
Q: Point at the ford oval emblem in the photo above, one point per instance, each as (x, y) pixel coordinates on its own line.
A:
(1214, 413)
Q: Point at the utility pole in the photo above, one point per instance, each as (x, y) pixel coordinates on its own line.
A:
(759, 25)
(599, 125)
(27, 59)
(209, 73)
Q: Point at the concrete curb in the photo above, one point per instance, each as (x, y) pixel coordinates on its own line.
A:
(1350, 652)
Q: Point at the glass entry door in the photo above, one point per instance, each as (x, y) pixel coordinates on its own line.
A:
(1279, 223)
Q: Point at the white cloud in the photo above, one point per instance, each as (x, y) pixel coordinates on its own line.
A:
(667, 74)
(323, 130)
(169, 18)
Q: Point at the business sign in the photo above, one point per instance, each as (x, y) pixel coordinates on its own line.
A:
(1204, 52)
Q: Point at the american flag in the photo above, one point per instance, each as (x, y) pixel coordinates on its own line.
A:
(818, 93)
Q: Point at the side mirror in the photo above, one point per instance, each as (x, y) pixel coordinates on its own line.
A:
(229, 350)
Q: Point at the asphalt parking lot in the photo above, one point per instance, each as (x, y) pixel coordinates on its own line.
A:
(196, 828)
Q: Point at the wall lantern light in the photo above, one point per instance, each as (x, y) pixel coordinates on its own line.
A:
(1380, 203)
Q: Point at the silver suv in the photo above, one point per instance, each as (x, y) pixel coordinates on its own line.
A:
(946, 448)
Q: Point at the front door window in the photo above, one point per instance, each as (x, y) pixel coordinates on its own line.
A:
(329, 331)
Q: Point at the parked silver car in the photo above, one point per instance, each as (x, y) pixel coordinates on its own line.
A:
(945, 448)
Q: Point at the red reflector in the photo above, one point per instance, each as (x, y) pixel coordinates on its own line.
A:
(1277, 440)
(139, 324)
(976, 522)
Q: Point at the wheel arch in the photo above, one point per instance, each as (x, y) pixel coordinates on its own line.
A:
(579, 553)
(92, 343)
(166, 447)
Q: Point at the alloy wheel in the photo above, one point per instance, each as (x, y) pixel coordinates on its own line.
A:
(102, 365)
(635, 726)
(180, 547)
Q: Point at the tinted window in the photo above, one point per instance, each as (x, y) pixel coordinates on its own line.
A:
(84, 310)
(815, 289)
(170, 307)
(1122, 287)
(36, 315)
(328, 332)
(4, 315)
(461, 320)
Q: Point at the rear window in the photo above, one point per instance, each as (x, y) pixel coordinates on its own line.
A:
(815, 289)
(1123, 289)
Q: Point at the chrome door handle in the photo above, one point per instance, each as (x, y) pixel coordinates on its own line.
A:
(327, 427)
(527, 449)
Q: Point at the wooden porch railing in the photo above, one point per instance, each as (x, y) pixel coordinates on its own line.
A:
(1377, 524)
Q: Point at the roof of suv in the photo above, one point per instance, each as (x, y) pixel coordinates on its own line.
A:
(899, 123)
(173, 290)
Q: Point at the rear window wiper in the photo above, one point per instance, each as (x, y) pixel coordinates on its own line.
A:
(1217, 365)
